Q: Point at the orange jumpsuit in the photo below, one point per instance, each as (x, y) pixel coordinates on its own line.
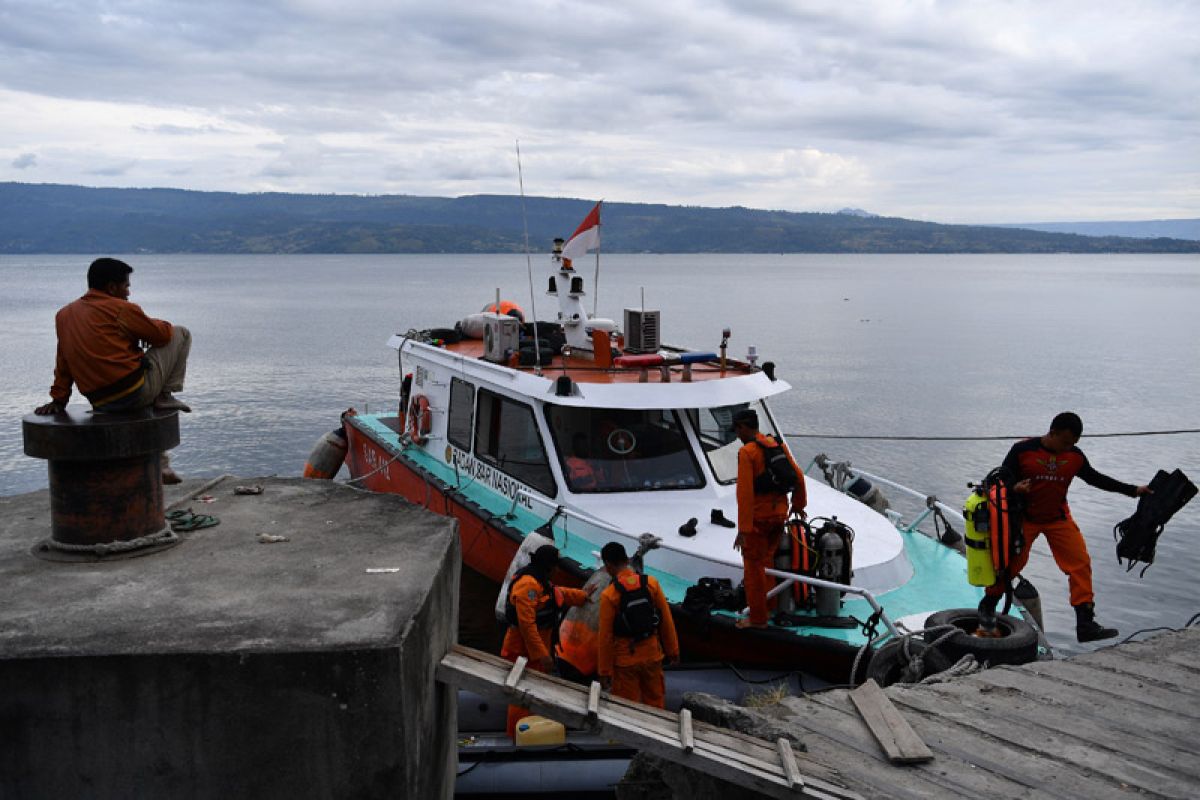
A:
(1046, 510)
(761, 518)
(636, 667)
(526, 638)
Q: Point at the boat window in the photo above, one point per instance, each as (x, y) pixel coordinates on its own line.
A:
(507, 437)
(714, 428)
(462, 407)
(622, 450)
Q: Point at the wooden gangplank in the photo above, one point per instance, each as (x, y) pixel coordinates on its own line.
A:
(771, 768)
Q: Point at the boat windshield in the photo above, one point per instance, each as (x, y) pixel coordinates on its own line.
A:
(714, 427)
(622, 450)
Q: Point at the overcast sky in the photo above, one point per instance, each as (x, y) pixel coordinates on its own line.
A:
(966, 111)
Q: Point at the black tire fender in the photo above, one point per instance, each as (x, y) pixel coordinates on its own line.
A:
(1018, 643)
(888, 662)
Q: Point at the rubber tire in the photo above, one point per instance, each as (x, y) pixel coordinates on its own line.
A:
(887, 662)
(1018, 645)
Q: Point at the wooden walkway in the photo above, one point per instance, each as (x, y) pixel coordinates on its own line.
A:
(771, 768)
(1119, 722)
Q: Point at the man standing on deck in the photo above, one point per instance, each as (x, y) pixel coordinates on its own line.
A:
(1042, 469)
(762, 512)
(636, 632)
(100, 338)
(532, 614)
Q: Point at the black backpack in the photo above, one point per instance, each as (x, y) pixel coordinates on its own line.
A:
(779, 474)
(637, 618)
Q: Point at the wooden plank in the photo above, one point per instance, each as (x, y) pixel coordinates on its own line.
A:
(836, 734)
(987, 765)
(514, 674)
(1166, 675)
(687, 739)
(894, 735)
(651, 730)
(1118, 684)
(593, 703)
(1017, 742)
(789, 763)
(1158, 725)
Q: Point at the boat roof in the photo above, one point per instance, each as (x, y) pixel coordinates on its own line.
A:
(665, 386)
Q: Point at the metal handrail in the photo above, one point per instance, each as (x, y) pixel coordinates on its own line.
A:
(790, 577)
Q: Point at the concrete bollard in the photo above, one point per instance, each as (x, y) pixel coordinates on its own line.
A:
(106, 496)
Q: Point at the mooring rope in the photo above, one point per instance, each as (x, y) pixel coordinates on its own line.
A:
(977, 438)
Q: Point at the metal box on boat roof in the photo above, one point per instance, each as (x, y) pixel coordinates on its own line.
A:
(642, 331)
(501, 336)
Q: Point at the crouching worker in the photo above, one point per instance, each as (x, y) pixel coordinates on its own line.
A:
(636, 631)
(100, 339)
(532, 614)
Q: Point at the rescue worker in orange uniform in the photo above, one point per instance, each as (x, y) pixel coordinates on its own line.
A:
(631, 666)
(1043, 468)
(761, 514)
(532, 612)
(581, 473)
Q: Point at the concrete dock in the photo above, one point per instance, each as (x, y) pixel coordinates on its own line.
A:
(1119, 722)
(233, 664)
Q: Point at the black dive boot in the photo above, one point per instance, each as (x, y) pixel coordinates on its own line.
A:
(1086, 627)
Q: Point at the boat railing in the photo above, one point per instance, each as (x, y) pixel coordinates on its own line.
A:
(841, 476)
(789, 578)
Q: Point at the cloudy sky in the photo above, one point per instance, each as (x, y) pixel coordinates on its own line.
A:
(970, 111)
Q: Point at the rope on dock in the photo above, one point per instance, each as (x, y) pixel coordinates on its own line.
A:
(898, 438)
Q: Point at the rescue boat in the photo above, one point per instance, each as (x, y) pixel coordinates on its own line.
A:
(586, 431)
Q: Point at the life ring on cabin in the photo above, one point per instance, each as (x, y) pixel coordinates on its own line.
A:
(906, 661)
(420, 419)
(1016, 644)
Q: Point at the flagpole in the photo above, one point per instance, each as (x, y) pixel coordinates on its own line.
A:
(537, 362)
(596, 279)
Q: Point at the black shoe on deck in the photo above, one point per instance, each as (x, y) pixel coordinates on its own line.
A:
(1086, 627)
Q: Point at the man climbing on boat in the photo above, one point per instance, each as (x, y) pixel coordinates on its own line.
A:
(1041, 469)
(763, 485)
(100, 338)
(636, 632)
(532, 615)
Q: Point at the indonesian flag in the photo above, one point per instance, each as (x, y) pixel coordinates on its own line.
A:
(586, 236)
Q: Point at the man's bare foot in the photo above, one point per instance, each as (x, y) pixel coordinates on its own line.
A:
(170, 477)
(746, 623)
(169, 402)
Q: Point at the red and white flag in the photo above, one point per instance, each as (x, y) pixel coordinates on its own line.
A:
(586, 237)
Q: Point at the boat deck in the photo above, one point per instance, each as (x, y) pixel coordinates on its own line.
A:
(582, 367)
(1114, 723)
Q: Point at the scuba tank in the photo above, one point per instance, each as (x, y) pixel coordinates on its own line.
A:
(785, 601)
(980, 570)
(834, 552)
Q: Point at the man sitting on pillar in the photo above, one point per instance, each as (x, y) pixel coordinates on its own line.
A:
(100, 349)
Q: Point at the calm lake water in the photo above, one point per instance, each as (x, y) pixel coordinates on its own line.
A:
(911, 345)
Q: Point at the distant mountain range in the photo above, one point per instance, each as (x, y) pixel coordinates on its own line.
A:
(48, 218)
(1148, 229)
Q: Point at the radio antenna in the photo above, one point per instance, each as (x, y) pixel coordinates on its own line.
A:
(537, 361)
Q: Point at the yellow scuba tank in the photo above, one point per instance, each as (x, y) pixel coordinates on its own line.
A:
(980, 569)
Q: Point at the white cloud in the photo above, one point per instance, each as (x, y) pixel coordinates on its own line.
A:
(24, 161)
(963, 112)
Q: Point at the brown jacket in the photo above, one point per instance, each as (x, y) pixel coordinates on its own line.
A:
(99, 347)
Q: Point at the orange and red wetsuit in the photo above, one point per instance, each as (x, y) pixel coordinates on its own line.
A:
(1047, 512)
(531, 637)
(636, 666)
(761, 517)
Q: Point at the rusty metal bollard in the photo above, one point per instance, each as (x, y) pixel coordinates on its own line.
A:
(106, 495)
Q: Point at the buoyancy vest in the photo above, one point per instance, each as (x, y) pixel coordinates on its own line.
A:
(547, 615)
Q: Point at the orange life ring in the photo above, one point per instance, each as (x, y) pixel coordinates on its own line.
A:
(420, 420)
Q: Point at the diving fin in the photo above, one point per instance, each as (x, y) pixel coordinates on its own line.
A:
(1137, 536)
